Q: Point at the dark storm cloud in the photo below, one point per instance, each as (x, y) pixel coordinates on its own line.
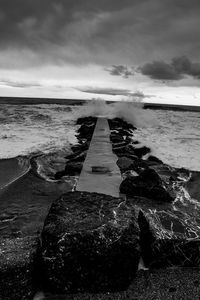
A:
(106, 32)
(120, 70)
(175, 70)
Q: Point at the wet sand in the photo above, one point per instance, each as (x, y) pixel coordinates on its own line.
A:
(12, 169)
(25, 202)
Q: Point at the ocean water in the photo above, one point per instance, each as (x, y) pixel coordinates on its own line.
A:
(173, 136)
(27, 129)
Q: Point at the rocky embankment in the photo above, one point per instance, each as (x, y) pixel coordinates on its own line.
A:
(168, 215)
(93, 242)
(83, 229)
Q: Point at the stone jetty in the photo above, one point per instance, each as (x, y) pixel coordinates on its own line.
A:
(100, 172)
(126, 205)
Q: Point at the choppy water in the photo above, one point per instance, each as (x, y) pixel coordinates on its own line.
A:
(25, 129)
(174, 136)
(175, 139)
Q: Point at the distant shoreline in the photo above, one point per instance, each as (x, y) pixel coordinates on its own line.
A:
(35, 101)
(171, 107)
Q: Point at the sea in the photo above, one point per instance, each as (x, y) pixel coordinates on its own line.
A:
(28, 128)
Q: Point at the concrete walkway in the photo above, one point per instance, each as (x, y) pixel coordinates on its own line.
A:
(100, 172)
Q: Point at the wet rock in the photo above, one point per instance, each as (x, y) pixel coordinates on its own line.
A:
(154, 159)
(59, 175)
(17, 258)
(77, 157)
(86, 120)
(148, 184)
(85, 132)
(130, 150)
(125, 133)
(125, 151)
(124, 163)
(168, 247)
(118, 123)
(169, 232)
(115, 138)
(73, 168)
(90, 243)
(193, 185)
(80, 147)
(139, 152)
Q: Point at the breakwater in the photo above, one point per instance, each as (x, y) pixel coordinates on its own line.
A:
(93, 242)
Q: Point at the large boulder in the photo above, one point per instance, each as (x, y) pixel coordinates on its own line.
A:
(17, 263)
(167, 238)
(148, 184)
(90, 242)
(169, 232)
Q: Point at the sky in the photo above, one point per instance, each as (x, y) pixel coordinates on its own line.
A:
(146, 50)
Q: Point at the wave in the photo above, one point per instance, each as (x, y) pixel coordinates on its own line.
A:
(131, 112)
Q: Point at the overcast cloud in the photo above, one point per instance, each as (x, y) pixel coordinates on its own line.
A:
(158, 38)
(93, 31)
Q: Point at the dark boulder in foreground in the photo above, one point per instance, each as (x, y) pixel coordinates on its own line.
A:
(148, 184)
(167, 238)
(90, 242)
(17, 260)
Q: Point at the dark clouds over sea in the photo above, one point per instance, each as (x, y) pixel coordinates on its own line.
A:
(99, 31)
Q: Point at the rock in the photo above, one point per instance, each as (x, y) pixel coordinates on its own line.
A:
(86, 120)
(124, 163)
(118, 123)
(131, 150)
(125, 151)
(81, 147)
(125, 133)
(85, 132)
(59, 175)
(193, 185)
(115, 138)
(139, 152)
(169, 232)
(154, 159)
(17, 259)
(77, 157)
(73, 168)
(148, 184)
(151, 177)
(166, 240)
(90, 243)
